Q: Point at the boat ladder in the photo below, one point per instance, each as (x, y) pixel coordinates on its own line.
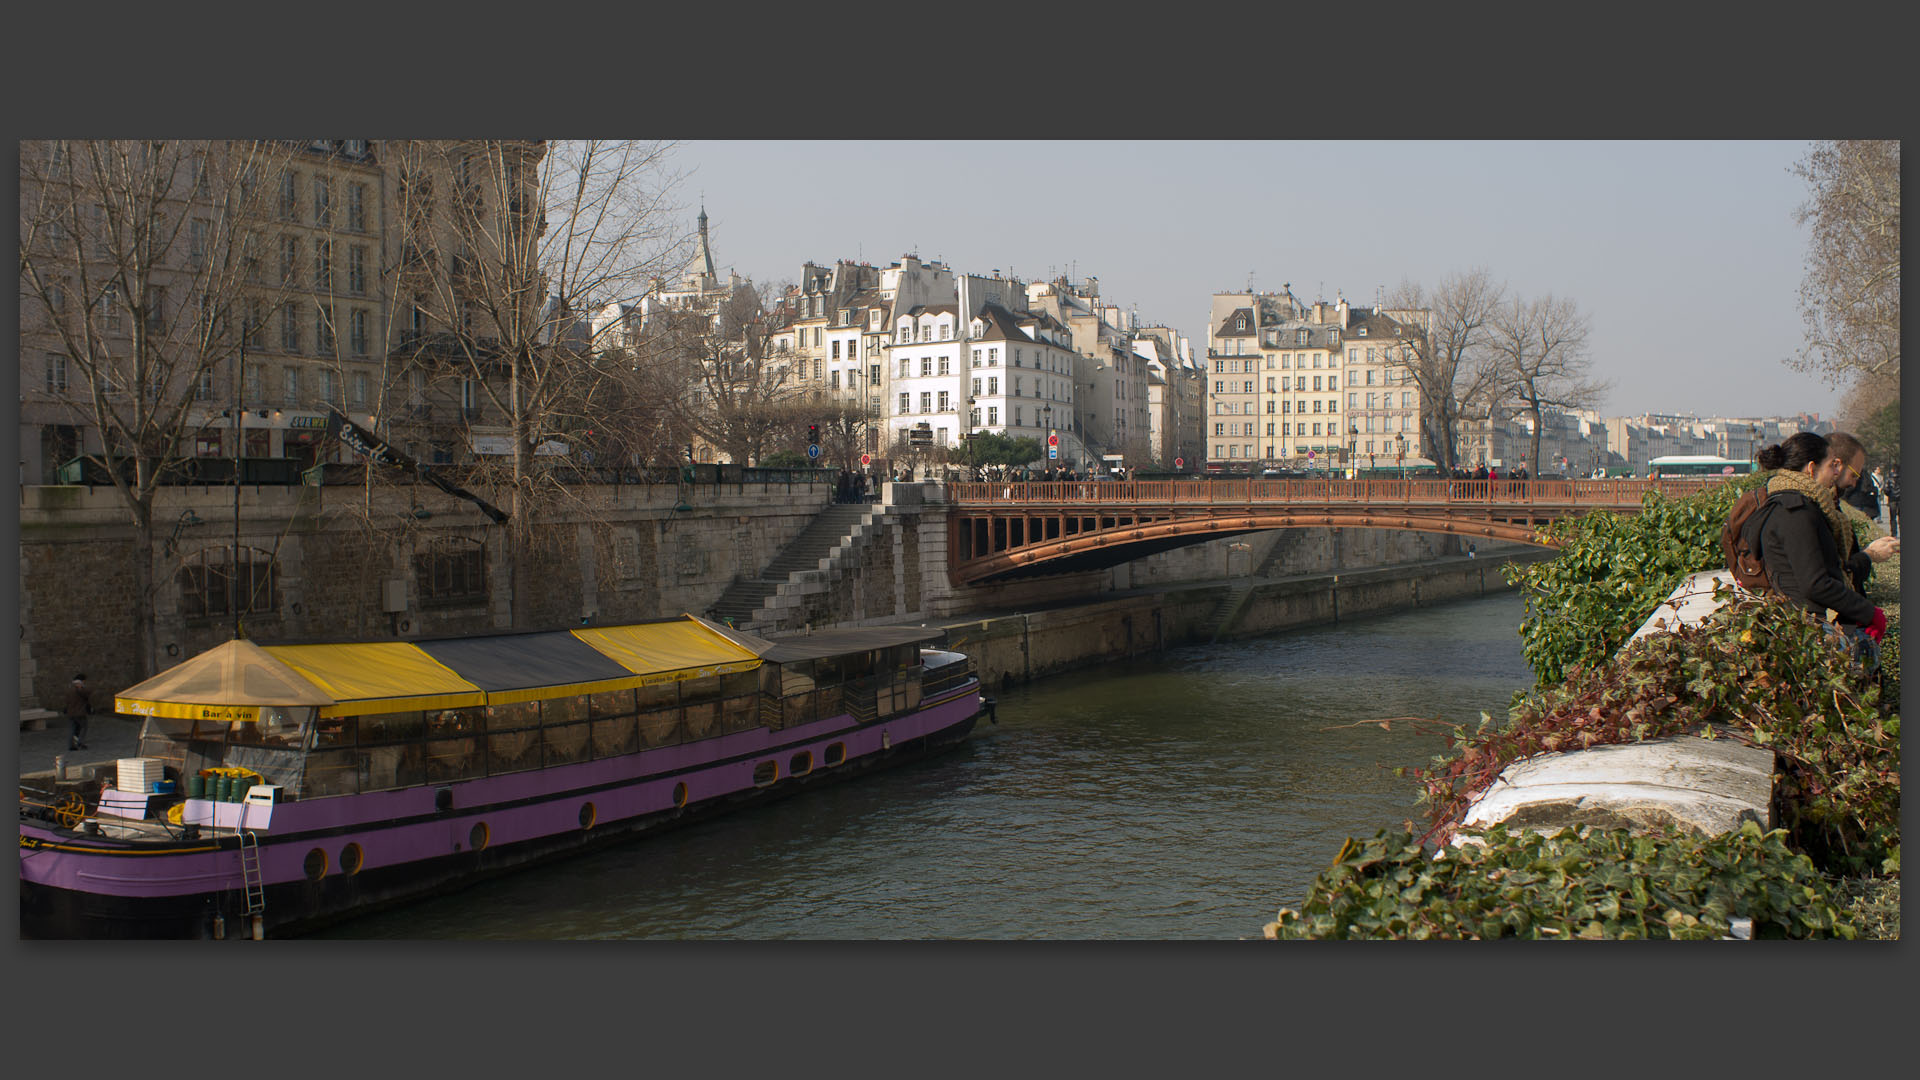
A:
(250, 871)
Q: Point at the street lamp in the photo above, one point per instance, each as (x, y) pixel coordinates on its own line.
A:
(1047, 412)
(1353, 449)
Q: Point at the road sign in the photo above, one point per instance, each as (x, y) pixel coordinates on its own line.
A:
(866, 459)
(1179, 463)
(1053, 452)
(1053, 440)
(813, 450)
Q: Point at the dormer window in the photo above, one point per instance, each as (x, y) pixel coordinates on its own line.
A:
(1302, 337)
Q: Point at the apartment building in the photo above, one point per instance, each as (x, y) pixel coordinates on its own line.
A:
(273, 250)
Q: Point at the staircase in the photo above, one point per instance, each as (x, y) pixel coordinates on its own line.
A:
(804, 552)
(1227, 611)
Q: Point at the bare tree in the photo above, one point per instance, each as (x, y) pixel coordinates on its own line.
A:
(506, 247)
(1850, 298)
(141, 275)
(1447, 358)
(729, 389)
(1538, 356)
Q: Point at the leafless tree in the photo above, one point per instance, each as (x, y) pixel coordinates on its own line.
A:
(1850, 298)
(506, 247)
(1448, 359)
(141, 276)
(1538, 355)
(729, 389)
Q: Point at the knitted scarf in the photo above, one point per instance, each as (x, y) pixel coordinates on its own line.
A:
(1828, 498)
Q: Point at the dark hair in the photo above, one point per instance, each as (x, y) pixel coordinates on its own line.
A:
(82, 677)
(1845, 445)
(1795, 452)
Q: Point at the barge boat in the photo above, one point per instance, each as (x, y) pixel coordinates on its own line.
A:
(279, 788)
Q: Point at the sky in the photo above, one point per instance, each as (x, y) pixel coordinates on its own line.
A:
(1685, 255)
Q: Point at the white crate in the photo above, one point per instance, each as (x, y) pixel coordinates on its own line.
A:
(138, 774)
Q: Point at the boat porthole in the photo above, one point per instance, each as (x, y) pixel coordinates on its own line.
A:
(477, 838)
(801, 764)
(587, 815)
(836, 754)
(766, 773)
(350, 859)
(679, 795)
(316, 864)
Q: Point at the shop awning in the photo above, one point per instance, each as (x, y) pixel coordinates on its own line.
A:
(520, 667)
(227, 682)
(379, 676)
(670, 651)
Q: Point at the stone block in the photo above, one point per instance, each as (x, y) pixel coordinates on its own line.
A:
(1705, 786)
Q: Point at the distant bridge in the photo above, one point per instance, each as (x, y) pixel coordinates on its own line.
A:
(998, 531)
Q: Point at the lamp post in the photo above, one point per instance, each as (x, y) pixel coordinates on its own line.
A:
(973, 438)
(1353, 451)
(1047, 412)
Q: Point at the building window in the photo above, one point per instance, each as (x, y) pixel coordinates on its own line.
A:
(359, 385)
(110, 308)
(197, 242)
(357, 270)
(358, 331)
(946, 365)
(212, 583)
(327, 392)
(993, 357)
(926, 365)
(290, 196)
(322, 265)
(289, 259)
(945, 404)
(290, 392)
(357, 207)
(451, 571)
(836, 348)
(1219, 429)
(322, 329)
(993, 416)
(926, 401)
(56, 373)
(905, 402)
(322, 202)
(993, 384)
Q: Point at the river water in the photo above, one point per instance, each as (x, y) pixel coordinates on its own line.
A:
(1187, 795)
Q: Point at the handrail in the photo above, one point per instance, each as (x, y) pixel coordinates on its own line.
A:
(1422, 491)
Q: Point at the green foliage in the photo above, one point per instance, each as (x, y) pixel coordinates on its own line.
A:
(1585, 884)
(994, 448)
(1881, 434)
(1611, 571)
(785, 459)
(1760, 668)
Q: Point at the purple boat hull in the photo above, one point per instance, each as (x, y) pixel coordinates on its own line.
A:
(325, 859)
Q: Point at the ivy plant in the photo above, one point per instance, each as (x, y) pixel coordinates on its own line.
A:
(1573, 884)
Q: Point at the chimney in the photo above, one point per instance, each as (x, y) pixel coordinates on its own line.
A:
(1319, 311)
(1343, 309)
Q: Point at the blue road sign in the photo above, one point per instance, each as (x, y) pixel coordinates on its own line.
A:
(1053, 452)
(813, 451)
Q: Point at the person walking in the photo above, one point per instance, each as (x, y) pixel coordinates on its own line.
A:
(1891, 489)
(79, 705)
(1807, 542)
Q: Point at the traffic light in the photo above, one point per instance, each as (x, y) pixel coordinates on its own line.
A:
(813, 434)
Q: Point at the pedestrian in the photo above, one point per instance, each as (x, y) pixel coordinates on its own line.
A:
(79, 704)
(1860, 491)
(1892, 491)
(1806, 541)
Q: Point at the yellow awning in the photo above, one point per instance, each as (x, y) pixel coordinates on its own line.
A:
(667, 652)
(379, 676)
(228, 682)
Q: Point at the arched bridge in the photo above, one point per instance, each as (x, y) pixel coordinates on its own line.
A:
(1000, 530)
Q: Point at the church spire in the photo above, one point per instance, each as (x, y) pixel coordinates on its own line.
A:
(710, 275)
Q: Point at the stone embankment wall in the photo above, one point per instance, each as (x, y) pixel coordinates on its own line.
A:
(606, 554)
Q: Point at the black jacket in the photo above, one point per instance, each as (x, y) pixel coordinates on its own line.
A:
(1865, 495)
(1802, 558)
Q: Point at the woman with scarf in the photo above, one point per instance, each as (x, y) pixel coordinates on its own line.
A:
(1806, 539)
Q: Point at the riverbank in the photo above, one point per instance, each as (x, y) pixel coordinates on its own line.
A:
(1015, 646)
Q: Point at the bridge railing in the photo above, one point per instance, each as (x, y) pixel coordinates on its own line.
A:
(1429, 491)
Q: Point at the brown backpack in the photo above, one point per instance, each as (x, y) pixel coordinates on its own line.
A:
(1740, 539)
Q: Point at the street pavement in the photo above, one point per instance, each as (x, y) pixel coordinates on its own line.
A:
(110, 737)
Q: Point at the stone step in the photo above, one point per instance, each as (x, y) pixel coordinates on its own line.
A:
(36, 719)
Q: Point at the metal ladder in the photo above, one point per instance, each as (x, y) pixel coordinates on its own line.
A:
(250, 872)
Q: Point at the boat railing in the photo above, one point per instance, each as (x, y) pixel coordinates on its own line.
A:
(940, 679)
